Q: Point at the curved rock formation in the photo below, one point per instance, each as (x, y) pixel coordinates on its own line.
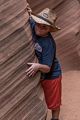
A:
(19, 96)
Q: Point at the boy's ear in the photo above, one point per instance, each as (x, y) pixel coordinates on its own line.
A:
(51, 29)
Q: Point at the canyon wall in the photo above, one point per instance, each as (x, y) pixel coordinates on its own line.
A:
(19, 96)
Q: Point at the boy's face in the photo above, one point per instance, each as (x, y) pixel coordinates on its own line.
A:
(41, 29)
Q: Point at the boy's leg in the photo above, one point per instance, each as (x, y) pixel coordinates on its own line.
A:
(52, 92)
(55, 114)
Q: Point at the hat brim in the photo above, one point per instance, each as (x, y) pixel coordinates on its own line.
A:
(39, 20)
(54, 28)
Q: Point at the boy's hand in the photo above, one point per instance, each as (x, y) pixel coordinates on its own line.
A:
(31, 71)
(29, 9)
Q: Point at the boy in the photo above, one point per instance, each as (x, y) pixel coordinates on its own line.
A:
(45, 49)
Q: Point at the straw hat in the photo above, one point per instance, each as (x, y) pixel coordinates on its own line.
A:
(47, 17)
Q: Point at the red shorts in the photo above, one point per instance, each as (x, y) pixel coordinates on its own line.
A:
(52, 92)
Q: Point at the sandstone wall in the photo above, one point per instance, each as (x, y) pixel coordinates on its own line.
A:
(19, 96)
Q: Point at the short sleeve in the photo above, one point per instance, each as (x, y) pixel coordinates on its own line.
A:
(48, 54)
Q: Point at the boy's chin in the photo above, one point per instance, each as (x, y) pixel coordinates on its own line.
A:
(38, 34)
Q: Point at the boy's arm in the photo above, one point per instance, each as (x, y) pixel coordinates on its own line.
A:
(44, 68)
(34, 67)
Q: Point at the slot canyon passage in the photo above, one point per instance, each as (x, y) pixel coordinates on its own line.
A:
(18, 97)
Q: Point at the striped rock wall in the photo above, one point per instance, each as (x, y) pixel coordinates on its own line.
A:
(19, 96)
(68, 38)
(41, 4)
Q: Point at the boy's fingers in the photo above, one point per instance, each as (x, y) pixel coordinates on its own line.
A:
(29, 63)
(30, 73)
(28, 70)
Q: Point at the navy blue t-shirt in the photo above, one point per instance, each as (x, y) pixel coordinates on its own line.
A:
(45, 49)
